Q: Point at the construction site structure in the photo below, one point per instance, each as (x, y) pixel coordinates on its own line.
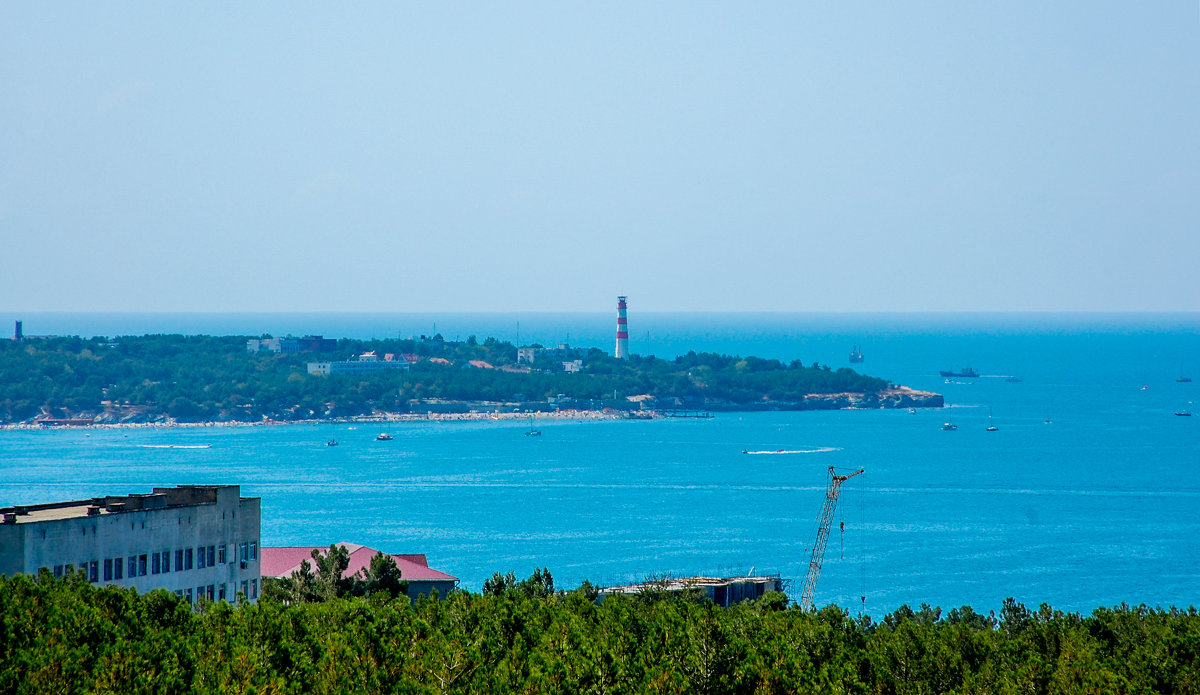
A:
(818, 551)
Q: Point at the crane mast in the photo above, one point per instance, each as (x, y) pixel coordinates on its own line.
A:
(818, 551)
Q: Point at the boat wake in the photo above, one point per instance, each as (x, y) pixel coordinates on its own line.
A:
(818, 450)
(175, 446)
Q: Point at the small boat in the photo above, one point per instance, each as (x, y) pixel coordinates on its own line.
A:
(964, 373)
(991, 427)
(532, 432)
(1013, 380)
(912, 411)
(383, 437)
(1184, 380)
(856, 355)
(949, 425)
(331, 442)
(1183, 413)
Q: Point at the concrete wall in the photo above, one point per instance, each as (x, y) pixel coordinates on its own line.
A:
(81, 540)
(421, 588)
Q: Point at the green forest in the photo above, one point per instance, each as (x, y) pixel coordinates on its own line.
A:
(208, 378)
(65, 635)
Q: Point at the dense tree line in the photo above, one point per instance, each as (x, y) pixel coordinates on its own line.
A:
(200, 378)
(69, 636)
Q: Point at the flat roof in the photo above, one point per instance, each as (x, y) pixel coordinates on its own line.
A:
(163, 498)
(682, 583)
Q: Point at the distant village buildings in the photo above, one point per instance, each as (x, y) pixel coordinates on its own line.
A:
(569, 359)
(532, 354)
(289, 346)
(366, 362)
(198, 541)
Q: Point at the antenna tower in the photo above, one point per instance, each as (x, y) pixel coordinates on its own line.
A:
(818, 551)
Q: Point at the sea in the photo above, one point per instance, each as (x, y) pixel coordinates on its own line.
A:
(1086, 496)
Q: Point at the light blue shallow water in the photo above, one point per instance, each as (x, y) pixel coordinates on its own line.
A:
(1096, 508)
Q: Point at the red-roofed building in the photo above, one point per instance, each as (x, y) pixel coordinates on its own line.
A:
(282, 562)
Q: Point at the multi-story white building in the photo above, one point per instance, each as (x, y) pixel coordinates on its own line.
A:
(198, 541)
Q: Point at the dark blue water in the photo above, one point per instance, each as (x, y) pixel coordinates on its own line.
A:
(1095, 508)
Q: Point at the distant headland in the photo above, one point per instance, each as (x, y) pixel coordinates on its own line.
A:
(54, 380)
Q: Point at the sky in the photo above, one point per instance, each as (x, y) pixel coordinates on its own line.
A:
(790, 156)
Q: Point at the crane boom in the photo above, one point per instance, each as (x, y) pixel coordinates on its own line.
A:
(818, 551)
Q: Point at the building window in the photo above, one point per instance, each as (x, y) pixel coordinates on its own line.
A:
(58, 571)
(212, 555)
(178, 560)
(211, 591)
(187, 559)
(200, 558)
(245, 552)
(166, 561)
(253, 588)
(141, 565)
(94, 571)
(253, 550)
(133, 566)
(155, 564)
(221, 549)
(199, 594)
(245, 588)
(108, 569)
(221, 591)
(118, 568)
(189, 595)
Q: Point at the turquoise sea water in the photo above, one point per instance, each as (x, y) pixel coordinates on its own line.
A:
(1098, 507)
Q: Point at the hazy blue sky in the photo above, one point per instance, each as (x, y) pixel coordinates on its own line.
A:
(792, 156)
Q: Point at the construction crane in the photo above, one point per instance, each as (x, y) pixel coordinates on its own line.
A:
(818, 551)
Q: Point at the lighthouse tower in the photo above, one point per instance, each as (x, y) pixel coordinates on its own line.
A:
(622, 331)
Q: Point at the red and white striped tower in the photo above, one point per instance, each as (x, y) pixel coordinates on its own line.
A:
(622, 331)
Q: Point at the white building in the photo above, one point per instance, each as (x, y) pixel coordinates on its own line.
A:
(287, 346)
(366, 362)
(198, 541)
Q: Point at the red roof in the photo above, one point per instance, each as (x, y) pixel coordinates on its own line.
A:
(282, 562)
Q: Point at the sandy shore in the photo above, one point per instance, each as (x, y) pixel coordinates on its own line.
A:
(383, 418)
